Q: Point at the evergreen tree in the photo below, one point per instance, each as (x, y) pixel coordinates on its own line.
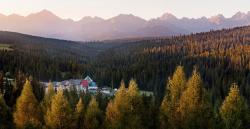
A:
(38, 90)
(79, 114)
(9, 93)
(168, 110)
(1, 83)
(5, 114)
(102, 100)
(93, 117)
(59, 116)
(194, 107)
(72, 96)
(234, 110)
(15, 91)
(27, 113)
(149, 113)
(19, 83)
(46, 104)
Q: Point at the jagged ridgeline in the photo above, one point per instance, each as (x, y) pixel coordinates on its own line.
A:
(222, 57)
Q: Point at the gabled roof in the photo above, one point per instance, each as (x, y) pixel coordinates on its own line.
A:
(88, 79)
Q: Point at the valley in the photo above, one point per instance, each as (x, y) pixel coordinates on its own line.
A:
(150, 61)
(124, 64)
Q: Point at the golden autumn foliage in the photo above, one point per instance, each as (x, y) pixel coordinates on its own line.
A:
(59, 116)
(192, 98)
(135, 104)
(176, 85)
(27, 111)
(93, 117)
(116, 108)
(124, 111)
(168, 109)
(194, 108)
(234, 110)
(133, 90)
(80, 107)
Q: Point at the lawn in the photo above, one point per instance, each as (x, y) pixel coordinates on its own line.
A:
(5, 47)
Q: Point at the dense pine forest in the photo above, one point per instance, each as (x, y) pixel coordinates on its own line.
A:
(200, 81)
(186, 105)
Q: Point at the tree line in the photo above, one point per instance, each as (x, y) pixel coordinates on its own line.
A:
(186, 105)
(221, 56)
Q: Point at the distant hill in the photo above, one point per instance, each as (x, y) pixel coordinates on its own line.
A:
(53, 47)
(46, 24)
(221, 56)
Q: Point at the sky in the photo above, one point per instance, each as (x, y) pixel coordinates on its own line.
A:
(76, 9)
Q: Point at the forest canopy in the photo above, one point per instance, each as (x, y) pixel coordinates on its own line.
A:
(222, 58)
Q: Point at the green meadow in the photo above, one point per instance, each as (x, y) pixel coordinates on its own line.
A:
(5, 47)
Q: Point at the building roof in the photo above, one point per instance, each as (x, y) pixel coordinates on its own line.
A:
(88, 79)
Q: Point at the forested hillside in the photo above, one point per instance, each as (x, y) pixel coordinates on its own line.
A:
(200, 81)
(222, 57)
(42, 57)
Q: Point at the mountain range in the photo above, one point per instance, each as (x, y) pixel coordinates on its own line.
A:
(47, 24)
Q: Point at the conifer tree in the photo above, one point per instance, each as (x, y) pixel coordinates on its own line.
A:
(38, 90)
(112, 119)
(5, 114)
(149, 113)
(80, 107)
(59, 116)
(19, 83)
(73, 96)
(27, 113)
(194, 108)
(234, 110)
(168, 110)
(133, 90)
(135, 104)
(46, 104)
(117, 109)
(9, 94)
(79, 114)
(93, 117)
(1, 83)
(125, 111)
(102, 100)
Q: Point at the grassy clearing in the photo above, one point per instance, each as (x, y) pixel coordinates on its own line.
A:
(146, 93)
(5, 47)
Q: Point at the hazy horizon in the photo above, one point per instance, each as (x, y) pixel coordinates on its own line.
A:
(78, 9)
(160, 15)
